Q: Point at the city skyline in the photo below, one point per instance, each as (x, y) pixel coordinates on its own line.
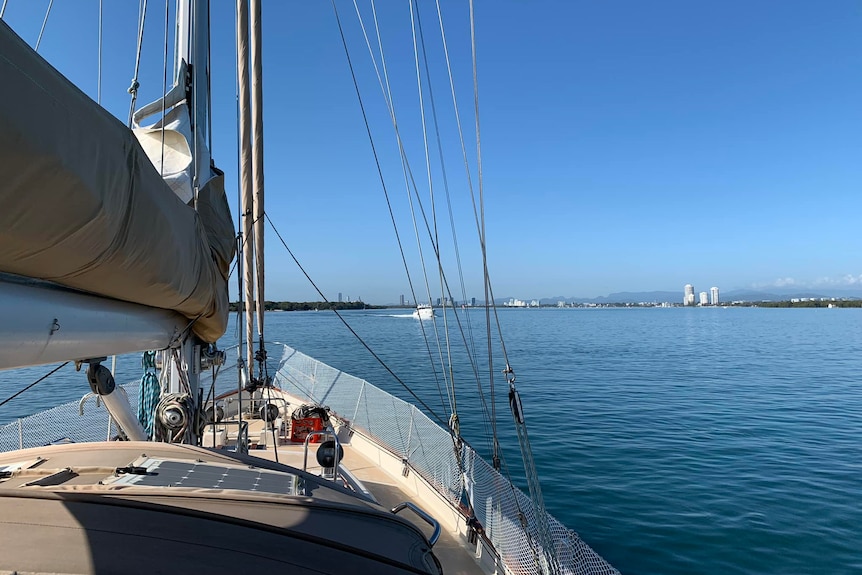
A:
(704, 298)
(670, 296)
(847, 284)
(403, 300)
(713, 295)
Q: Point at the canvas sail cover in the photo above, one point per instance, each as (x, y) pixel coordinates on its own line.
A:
(81, 205)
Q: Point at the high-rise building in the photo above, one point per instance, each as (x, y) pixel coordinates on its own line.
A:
(688, 298)
(402, 300)
(473, 302)
(704, 298)
(713, 295)
(339, 297)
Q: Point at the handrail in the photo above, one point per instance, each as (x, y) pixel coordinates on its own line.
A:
(422, 515)
(84, 399)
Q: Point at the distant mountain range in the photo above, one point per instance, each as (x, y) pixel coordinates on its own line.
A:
(777, 294)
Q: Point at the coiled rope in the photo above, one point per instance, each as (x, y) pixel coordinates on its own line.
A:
(150, 392)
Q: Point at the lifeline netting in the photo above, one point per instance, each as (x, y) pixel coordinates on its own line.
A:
(504, 510)
(73, 422)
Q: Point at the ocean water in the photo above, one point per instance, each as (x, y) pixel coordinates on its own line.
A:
(674, 441)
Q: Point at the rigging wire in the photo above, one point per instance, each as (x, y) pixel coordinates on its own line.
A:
(211, 393)
(480, 223)
(446, 283)
(443, 283)
(453, 425)
(435, 238)
(133, 87)
(387, 96)
(427, 162)
(490, 305)
(454, 422)
(192, 100)
(415, 191)
(44, 377)
(348, 326)
(99, 83)
(469, 345)
(44, 23)
(3, 8)
(165, 86)
(489, 292)
(386, 89)
(488, 289)
(405, 165)
(514, 398)
(466, 165)
(379, 169)
(410, 181)
(455, 242)
(391, 215)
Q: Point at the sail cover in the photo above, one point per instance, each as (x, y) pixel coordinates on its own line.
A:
(81, 205)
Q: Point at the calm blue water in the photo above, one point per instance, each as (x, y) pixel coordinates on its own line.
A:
(672, 440)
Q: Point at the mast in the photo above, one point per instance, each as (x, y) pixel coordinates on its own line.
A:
(257, 159)
(191, 78)
(246, 180)
(192, 48)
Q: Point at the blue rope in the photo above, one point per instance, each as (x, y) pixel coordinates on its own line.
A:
(150, 392)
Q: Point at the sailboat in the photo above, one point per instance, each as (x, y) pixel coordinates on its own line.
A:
(303, 467)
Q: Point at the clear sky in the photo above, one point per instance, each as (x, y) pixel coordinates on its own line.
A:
(626, 145)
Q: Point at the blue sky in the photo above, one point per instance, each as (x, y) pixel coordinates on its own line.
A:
(626, 146)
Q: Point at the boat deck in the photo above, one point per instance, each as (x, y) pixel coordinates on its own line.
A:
(454, 556)
(152, 507)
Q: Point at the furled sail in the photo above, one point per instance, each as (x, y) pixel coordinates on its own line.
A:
(81, 205)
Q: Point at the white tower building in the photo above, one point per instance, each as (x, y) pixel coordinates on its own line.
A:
(688, 298)
(713, 295)
(704, 298)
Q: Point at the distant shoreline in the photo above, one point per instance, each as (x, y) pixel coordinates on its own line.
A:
(310, 305)
(340, 306)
